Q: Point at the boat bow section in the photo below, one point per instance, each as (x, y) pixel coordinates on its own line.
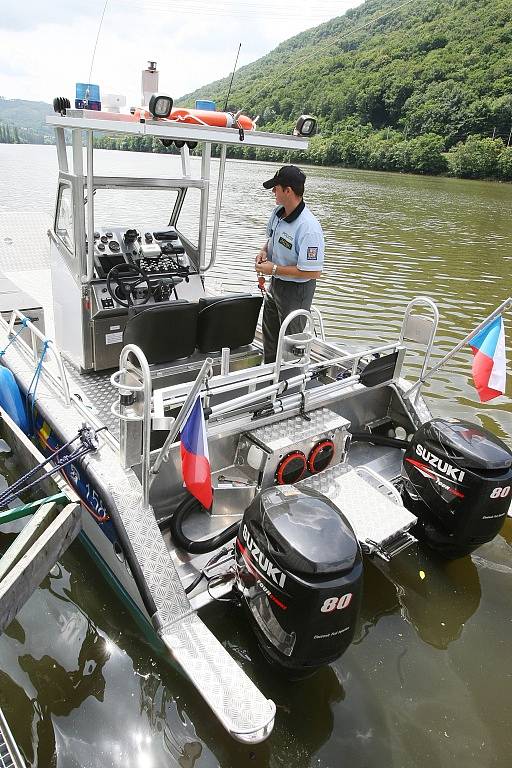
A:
(241, 708)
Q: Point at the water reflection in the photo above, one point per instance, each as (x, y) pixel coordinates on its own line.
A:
(435, 596)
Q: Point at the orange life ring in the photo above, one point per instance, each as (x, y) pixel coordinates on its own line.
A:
(203, 117)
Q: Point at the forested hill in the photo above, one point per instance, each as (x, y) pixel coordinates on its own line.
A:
(387, 72)
(415, 85)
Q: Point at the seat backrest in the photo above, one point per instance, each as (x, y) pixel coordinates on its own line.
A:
(165, 331)
(227, 321)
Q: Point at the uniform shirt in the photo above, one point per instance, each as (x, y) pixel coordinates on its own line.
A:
(296, 240)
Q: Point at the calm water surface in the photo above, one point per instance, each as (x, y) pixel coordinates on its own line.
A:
(428, 681)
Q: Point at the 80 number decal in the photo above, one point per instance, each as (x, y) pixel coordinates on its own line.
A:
(500, 493)
(336, 603)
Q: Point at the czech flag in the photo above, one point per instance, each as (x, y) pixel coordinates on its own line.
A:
(489, 363)
(195, 462)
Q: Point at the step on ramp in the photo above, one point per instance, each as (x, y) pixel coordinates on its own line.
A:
(238, 704)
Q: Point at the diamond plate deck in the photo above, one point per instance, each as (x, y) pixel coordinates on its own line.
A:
(97, 393)
(241, 708)
(373, 516)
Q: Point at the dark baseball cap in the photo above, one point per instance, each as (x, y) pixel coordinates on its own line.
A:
(287, 176)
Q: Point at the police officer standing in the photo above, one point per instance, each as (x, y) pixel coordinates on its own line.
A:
(293, 256)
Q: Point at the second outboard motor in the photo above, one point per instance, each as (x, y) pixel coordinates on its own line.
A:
(299, 570)
(458, 482)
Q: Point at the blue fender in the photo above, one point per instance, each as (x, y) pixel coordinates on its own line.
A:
(11, 400)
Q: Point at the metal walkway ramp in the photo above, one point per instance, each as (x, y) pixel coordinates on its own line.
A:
(371, 504)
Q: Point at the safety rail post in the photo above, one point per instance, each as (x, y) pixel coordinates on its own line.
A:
(180, 418)
(36, 333)
(501, 308)
(282, 333)
(434, 320)
(318, 317)
(146, 388)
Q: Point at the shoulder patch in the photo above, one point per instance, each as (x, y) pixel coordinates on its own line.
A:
(312, 254)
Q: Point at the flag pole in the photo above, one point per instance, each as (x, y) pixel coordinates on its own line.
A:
(498, 311)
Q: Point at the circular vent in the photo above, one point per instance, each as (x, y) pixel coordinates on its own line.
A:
(320, 456)
(291, 468)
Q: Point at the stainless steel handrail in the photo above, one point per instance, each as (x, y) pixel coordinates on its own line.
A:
(146, 388)
(282, 333)
(507, 304)
(36, 333)
(434, 320)
(180, 418)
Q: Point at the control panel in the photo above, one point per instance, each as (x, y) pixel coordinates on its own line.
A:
(159, 264)
(158, 252)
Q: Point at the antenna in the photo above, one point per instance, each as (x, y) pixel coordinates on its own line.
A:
(232, 76)
(97, 38)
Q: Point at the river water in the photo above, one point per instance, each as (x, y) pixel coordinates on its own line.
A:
(428, 681)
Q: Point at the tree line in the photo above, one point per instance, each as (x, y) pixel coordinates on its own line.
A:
(423, 87)
(476, 158)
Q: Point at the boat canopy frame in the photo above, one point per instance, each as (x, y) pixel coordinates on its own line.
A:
(84, 123)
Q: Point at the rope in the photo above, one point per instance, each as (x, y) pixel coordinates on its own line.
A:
(31, 396)
(22, 326)
(88, 443)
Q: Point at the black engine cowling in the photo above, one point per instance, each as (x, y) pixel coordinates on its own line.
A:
(299, 569)
(457, 481)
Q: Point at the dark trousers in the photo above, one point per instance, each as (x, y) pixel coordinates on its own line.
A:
(282, 298)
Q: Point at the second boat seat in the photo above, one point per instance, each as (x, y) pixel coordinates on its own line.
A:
(227, 321)
(165, 332)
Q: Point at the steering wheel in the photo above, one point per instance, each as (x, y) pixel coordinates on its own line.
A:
(128, 277)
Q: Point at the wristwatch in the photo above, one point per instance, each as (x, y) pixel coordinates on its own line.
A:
(274, 270)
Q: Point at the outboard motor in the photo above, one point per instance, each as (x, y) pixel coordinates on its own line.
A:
(299, 570)
(457, 481)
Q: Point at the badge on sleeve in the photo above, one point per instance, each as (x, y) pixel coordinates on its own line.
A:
(312, 254)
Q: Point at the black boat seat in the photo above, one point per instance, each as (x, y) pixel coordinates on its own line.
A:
(165, 332)
(227, 321)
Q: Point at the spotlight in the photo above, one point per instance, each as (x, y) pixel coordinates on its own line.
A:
(305, 126)
(160, 105)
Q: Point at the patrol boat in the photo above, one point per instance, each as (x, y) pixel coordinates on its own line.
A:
(322, 457)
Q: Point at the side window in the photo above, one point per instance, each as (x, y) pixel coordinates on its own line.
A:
(64, 224)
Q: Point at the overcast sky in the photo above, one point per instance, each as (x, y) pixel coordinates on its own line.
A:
(46, 47)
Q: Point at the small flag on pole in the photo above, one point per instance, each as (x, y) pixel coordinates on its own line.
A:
(195, 462)
(489, 362)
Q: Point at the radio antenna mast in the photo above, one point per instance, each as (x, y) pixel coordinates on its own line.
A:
(97, 38)
(232, 76)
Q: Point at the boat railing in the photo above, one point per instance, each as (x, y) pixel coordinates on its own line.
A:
(134, 410)
(427, 374)
(297, 345)
(260, 386)
(36, 351)
(318, 319)
(420, 329)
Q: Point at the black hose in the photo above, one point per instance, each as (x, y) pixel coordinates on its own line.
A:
(369, 437)
(189, 545)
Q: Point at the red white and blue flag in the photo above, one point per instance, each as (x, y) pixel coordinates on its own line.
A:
(489, 362)
(195, 462)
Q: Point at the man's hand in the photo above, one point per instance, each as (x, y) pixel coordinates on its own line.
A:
(261, 256)
(263, 267)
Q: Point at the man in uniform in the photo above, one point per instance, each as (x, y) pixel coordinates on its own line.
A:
(293, 256)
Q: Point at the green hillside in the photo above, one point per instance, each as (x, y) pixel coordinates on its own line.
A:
(23, 121)
(392, 86)
(421, 86)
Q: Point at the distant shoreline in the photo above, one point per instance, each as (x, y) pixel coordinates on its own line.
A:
(475, 148)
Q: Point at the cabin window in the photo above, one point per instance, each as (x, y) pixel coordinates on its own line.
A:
(64, 223)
